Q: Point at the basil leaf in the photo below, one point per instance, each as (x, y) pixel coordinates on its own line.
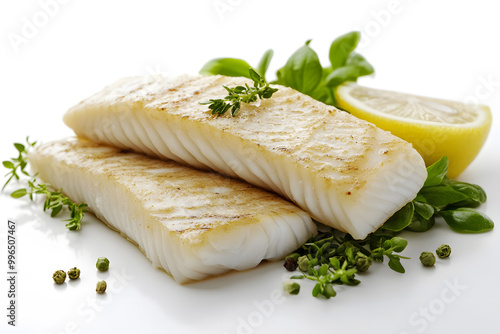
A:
(365, 68)
(323, 270)
(264, 62)
(467, 203)
(395, 264)
(341, 48)
(341, 75)
(355, 67)
(398, 244)
(473, 191)
(316, 290)
(436, 172)
(302, 71)
(467, 220)
(420, 224)
(400, 219)
(232, 67)
(424, 209)
(321, 92)
(440, 196)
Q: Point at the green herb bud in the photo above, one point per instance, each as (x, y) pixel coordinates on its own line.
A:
(291, 287)
(101, 287)
(443, 251)
(74, 273)
(363, 262)
(102, 264)
(59, 277)
(303, 263)
(428, 259)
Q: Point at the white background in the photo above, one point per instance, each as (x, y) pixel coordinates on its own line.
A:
(446, 49)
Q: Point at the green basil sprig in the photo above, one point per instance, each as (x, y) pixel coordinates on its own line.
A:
(303, 70)
(452, 200)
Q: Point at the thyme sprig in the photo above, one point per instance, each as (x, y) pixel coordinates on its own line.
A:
(55, 200)
(17, 165)
(241, 94)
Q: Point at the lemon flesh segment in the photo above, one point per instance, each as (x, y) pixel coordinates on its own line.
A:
(435, 127)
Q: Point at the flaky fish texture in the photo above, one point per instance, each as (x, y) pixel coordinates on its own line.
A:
(191, 223)
(345, 172)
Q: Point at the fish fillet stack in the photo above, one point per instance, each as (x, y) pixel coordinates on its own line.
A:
(342, 171)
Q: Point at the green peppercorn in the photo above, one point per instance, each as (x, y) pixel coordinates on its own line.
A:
(291, 287)
(443, 251)
(428, 259)
(363, 262)
(303, 262)
(102, 264)
(74, 273)
(101, 287)
(59, 276)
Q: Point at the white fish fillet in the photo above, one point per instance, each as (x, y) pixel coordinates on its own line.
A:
(343, 171)
(191, 223)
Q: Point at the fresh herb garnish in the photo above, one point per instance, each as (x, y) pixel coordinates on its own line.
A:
(54, 200)
(333, 258)
(330, 259)
(241, 94)
(18, 165)
(303, 70)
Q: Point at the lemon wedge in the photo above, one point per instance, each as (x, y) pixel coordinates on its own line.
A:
(435, 127)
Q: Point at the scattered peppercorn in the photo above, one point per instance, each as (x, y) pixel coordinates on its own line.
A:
(290, 264)
(291, 287)
(102, 264)
(59, 276)
(74, 273)
(428, 259)
(101, 287)
(443, 251)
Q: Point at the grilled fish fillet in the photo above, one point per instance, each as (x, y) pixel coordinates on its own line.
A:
(191, 223)
(343, 171)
